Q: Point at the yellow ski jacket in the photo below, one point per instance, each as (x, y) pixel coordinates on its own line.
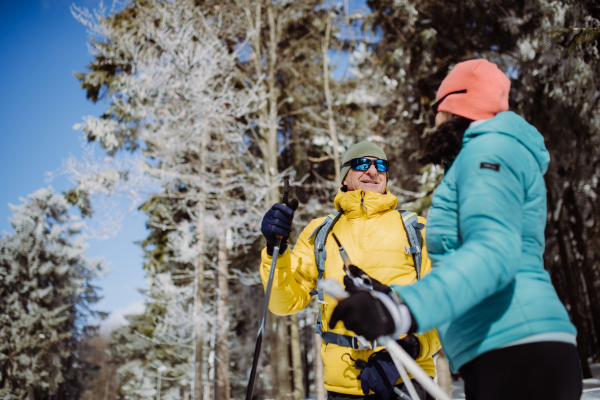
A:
(373, 235)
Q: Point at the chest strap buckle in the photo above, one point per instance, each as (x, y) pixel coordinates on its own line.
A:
(412, 250)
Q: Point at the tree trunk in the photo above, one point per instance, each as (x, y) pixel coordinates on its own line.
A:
(332, 130)
(222, 387)
(571, 282)
(586, 268)
(208, 370)
(198, 391)
(298, 391)
(319, 385)
(280, 362)
(268, 145)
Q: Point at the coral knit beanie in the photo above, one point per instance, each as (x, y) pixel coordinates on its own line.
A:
(487, 90)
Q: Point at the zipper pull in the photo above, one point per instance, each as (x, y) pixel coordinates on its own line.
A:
(362, 200)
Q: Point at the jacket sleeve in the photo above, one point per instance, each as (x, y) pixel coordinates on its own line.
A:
(430, 344)
(295, 275)
(490, 208)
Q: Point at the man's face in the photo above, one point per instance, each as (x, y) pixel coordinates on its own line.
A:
(370, 179)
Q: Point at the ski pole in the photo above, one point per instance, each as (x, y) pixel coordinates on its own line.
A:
(401, 359)
(259, 339)
(399, 356)
(360, 281)
(364, 283)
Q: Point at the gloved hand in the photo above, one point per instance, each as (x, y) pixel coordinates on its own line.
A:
(411, 345)
(278, 222)
(369, 317)
(380, 375)
(357, 272)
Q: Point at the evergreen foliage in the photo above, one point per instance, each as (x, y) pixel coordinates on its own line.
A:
(46, 292)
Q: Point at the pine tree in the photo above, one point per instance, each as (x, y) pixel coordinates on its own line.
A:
(46, 291)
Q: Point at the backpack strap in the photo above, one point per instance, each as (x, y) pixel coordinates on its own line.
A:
(320, 234)
(413, 228)
(320, 237)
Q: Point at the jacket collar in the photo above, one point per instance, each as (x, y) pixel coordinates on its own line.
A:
(356, 203)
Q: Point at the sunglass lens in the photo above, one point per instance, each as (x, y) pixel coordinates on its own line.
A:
(361, 164)
(381, 165)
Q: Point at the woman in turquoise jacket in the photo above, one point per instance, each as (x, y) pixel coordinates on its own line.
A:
(500, 321)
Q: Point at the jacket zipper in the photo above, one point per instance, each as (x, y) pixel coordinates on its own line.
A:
(361, 226)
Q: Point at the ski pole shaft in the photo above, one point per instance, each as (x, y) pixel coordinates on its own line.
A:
(401, 359)
(343, 253)
(416, 371)
(261, 330)
(405, 378)
(361, 282)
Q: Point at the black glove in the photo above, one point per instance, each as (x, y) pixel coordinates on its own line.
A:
(357, 272)
(364, 314)
(379, 375)
(411, 345)
(278, 222)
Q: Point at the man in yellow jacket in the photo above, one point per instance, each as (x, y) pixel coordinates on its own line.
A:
(374, 236)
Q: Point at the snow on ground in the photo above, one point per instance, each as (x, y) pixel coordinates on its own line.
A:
(591, 387)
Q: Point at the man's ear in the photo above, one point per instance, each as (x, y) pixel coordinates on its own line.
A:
(344, 186)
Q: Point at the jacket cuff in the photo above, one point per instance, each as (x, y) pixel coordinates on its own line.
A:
(395, 295)
(267, 258)
(282, 248)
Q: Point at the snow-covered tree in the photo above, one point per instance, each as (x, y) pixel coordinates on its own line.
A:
(177, 99)
(46, 292)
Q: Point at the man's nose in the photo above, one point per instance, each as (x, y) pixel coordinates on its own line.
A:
(372, 170)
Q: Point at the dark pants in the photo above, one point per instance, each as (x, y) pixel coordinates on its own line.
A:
(532, 371)
(423, 395)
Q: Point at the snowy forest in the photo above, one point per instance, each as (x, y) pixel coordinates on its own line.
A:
(209, 106)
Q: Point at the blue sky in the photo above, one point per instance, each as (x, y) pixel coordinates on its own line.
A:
(41, 45)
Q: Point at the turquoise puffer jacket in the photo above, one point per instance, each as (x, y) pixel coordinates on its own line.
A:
(485, 237)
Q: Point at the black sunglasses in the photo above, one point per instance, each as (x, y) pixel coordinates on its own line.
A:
(363, 164)
(435, 105)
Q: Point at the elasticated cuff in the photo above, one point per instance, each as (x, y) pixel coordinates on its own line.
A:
(271, 247)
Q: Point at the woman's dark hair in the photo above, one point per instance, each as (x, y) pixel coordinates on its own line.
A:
(444, 144)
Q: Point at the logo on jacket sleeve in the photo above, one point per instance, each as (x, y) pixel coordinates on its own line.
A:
(495, 167)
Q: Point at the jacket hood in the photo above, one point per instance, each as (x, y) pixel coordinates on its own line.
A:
(510, 124)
